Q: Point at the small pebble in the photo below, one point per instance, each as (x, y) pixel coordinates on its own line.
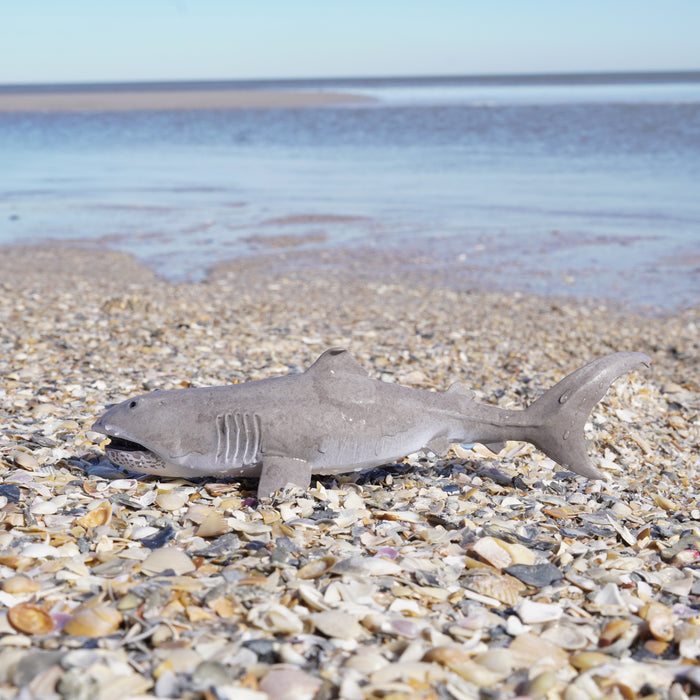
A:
(538, 575)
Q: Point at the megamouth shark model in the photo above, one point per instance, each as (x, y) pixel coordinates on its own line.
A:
(333, 419)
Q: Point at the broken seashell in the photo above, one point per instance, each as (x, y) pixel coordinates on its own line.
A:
(661, 626)
(529, 650)
(489, 549)
(613, 631)
(172, 500)
(502, 587)
(25, 461)
(584, 660)
(212, 525)
(532, 613)
(317, 567)
(30, 619)
(100, 515)
(289, 684)
(20, 584)
(283, 620)
(461, 663)
(93, 622)
(334, 623)
(167, 558)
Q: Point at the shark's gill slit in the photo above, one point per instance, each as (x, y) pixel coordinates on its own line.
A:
(238, 438)
(252, 437)
(238, 434)
(230, 434)
(221, 442)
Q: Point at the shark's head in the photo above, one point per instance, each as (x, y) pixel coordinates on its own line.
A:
(146, 434)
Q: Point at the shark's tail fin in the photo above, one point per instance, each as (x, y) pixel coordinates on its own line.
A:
(557, 418)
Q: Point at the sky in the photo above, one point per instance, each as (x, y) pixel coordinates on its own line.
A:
(57, 41)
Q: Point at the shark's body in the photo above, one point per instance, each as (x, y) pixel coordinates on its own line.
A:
(334, 419)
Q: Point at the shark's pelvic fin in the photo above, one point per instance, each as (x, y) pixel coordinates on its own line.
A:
(558, 416)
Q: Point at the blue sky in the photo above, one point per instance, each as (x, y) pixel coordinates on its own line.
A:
(88, 41)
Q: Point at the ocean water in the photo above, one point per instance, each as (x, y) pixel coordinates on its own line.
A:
(579, 185)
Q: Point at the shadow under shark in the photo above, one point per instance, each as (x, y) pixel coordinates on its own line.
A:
(333, 418)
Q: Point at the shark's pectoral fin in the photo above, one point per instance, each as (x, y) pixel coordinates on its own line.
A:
(277, 472)
(439, 445)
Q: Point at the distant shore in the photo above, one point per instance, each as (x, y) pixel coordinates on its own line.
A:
(163, 100)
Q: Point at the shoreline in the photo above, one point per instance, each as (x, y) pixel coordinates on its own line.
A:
(418, 260)
(166, 100)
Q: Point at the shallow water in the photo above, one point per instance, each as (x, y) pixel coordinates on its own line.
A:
(578, 187)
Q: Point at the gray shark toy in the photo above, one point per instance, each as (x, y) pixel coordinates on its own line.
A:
(333, 419)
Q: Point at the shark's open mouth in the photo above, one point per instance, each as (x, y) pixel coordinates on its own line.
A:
(122, 445)
(133, 456)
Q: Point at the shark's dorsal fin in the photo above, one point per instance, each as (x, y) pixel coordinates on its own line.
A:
(337, 361)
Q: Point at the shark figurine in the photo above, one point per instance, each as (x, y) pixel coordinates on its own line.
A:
(333, 418)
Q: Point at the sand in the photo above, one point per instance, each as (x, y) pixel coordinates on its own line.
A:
(79, 101)
(429, 578)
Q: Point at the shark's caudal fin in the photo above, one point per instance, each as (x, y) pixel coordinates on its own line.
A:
(557, 418)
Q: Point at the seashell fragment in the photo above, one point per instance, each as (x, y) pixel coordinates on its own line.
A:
(20, 584)
(584, 660)
(502, 587)
(25, 461)
(367, 566)
(316, 567)
(609, 595)
(532, 613)
(539, 686)
(97, 621)
(290, 684)
(39, 550)
(528, 650)
(489, 549)
(283, 620)
(334, 623)
(129, 601)
(30, 619)
(405, 516)
(613, 631)
(566, 636)
(172, 500)
(661, 626)
(100, 515)
(212, 525)
(461, 663)
(367, 660)
(167, 558)
(498, 660)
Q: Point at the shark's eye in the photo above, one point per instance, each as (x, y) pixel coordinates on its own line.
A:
(132, 404)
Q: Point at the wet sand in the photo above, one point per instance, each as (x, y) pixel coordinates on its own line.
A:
(163, 100)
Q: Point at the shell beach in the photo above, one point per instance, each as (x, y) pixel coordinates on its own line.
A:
(471, 576)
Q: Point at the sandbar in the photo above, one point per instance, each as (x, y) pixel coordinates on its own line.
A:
(166, 100)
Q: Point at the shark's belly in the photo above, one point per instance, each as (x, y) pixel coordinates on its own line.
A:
(348, 454)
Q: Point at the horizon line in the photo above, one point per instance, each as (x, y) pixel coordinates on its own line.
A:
(534, 77)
